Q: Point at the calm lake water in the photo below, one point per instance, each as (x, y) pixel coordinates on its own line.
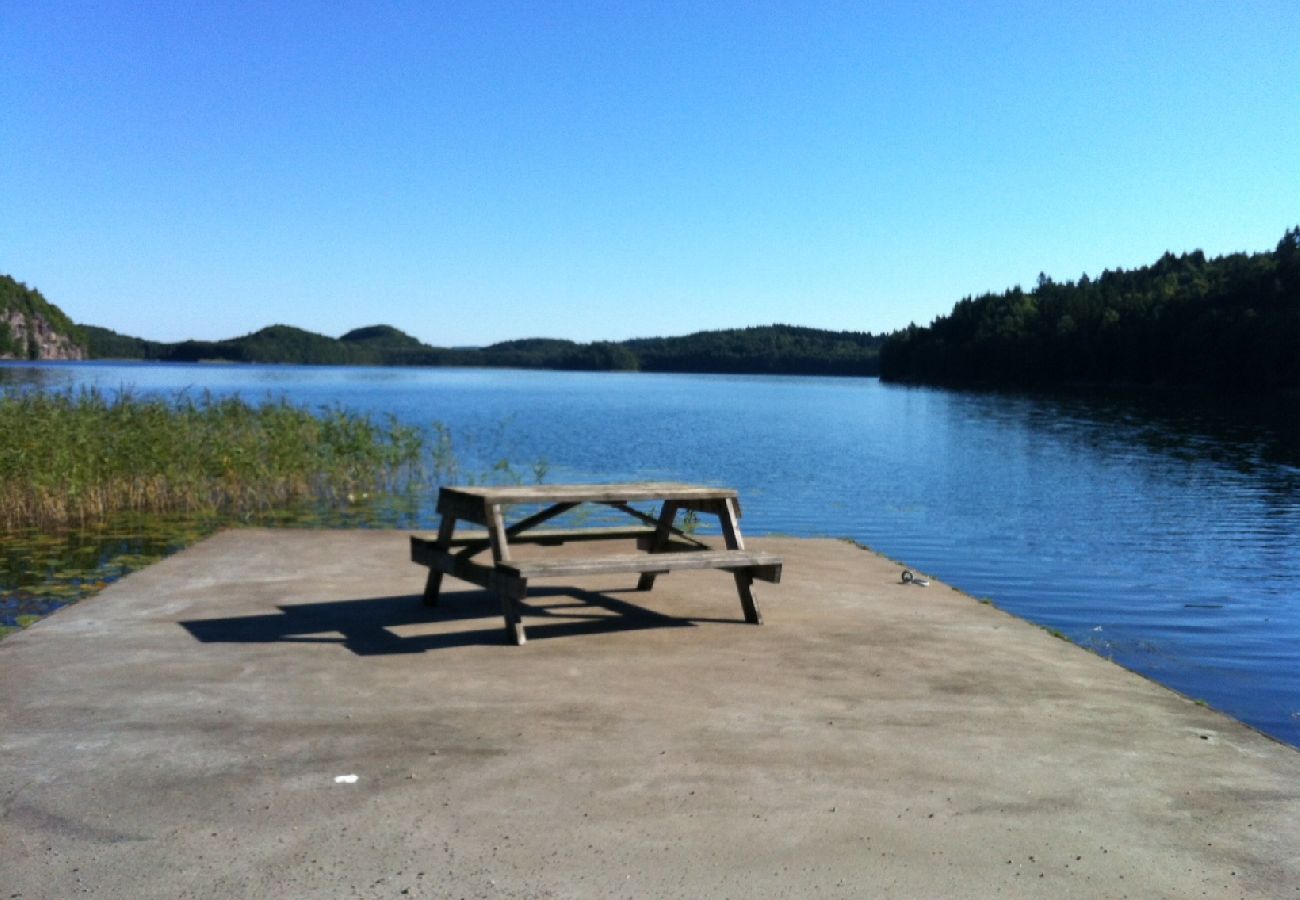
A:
(1161, 533)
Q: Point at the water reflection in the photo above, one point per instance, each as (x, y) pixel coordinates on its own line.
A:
(42, 570)
(24, 376)
(1156, 530)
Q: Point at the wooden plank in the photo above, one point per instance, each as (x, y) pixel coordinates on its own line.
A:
(588, 493)
(538, 518)
(727, 517)
(428, 553)
(728, 514)
(458, 505)
(764, 566)
(476, 542)
(748, 602)
(556, 536)
(663, 528)
(708, 507)
(510, 611)
(671, 545)
(497, 534)
(433, 584)
(654, 522)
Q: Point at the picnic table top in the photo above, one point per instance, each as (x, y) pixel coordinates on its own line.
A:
(591, 493)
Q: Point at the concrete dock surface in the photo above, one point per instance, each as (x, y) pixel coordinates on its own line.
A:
(184, 733)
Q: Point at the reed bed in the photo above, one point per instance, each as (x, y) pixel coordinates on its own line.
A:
(71, 458)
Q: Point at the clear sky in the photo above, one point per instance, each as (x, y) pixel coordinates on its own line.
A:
(472, 172)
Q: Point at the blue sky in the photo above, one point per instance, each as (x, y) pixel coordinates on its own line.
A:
(475, 172)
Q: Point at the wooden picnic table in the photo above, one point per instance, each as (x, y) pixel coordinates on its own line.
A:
(662, 546)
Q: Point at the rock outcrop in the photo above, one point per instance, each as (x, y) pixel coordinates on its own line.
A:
(31, 336)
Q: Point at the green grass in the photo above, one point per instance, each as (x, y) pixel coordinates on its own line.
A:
(74, 458)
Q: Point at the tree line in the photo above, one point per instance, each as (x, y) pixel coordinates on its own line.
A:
(768, 349)
(1228, 323)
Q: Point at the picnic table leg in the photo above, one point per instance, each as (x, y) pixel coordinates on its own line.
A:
(662, 532)
(434, 583)
(744, 582)
(501, 553)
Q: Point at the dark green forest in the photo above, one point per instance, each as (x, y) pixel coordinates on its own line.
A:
(1228, 323)
(375, 345)
(770, 350)
(774, 349)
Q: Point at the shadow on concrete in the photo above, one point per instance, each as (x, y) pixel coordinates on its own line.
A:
(367, 626)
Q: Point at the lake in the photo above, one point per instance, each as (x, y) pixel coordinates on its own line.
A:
(1160, 532)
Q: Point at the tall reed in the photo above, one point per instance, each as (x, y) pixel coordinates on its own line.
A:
(72, 457)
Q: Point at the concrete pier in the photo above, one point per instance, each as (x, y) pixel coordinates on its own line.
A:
(186, 734)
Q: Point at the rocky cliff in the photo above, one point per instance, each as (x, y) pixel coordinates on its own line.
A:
(33, 337)
(33, 328)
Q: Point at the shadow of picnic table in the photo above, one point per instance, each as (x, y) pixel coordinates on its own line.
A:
(369, 626)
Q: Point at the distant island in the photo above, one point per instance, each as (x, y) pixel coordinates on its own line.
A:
(1228, 323)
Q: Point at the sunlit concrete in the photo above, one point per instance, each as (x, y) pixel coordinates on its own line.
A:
(181, 734)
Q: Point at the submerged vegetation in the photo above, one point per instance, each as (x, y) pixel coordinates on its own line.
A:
(94, 487)
(70, 458)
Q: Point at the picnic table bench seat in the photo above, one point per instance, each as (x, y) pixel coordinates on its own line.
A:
(763, 566)
(514, 574)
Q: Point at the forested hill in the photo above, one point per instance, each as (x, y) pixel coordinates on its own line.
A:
(772, 349)
(32, 327)
(767, 350)
(1232, 323)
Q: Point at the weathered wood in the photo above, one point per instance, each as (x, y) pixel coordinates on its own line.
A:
(508, 578)
(672, 545)
(497, 535)
(654, 522)
(707, 507)
(537, 518)
(434, 582)
(515, 633)
(587, 493)
(748, 603)
(428, 553)
(452, 502)
(763, 566)
(727, 516)
(557, 536)
(728, 513)
(476, 542)
(663, 527)
(624, 507)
